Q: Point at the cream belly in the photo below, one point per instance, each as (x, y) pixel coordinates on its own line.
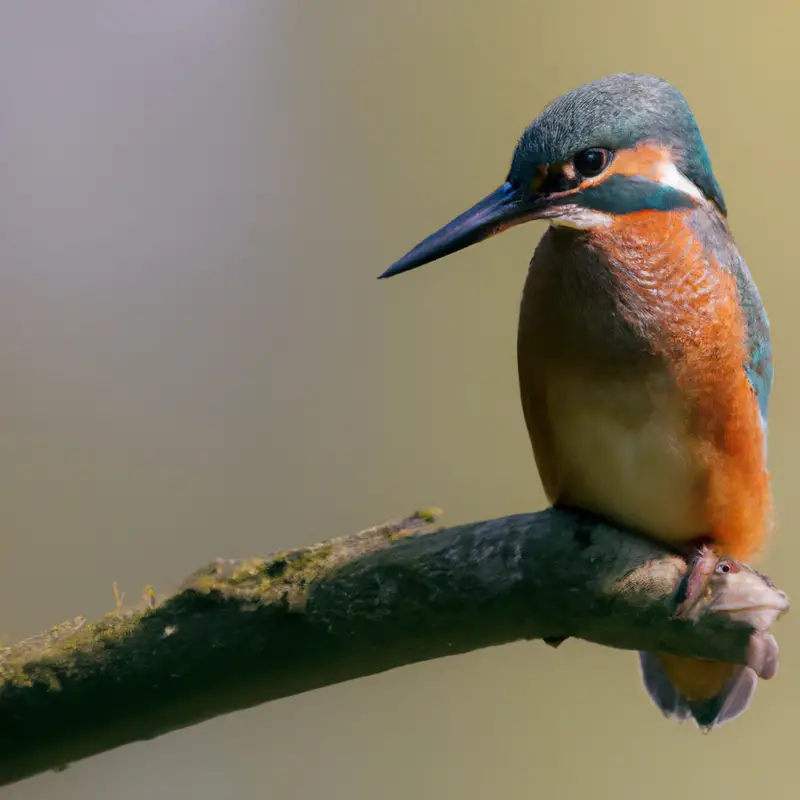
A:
(622, 449)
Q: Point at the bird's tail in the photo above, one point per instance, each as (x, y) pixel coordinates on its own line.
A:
(709, 691)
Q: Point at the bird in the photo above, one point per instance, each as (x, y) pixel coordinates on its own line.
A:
(643, 347)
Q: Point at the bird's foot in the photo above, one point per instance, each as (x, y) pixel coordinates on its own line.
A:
(695, 584)
(717, 584)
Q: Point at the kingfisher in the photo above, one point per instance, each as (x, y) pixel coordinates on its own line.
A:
(643, 347)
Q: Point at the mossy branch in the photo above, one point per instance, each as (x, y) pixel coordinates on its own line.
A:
(240, 633)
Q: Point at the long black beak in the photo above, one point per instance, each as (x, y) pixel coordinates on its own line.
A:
(502, 209)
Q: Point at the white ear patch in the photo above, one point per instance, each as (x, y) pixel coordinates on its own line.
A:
(670, 175)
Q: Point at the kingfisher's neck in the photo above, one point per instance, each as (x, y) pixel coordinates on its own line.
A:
(651, 223)
(663, 247)
(642, 231)
(615, 290)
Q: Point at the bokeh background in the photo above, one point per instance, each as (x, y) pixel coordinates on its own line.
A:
(196, 359)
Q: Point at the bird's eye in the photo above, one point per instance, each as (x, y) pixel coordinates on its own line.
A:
(726, 567)
(591, 162)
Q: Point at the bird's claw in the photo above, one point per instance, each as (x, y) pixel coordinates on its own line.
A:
(696, 583)
(718, 585)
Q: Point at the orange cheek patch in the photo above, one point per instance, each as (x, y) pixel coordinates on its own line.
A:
(646, 160)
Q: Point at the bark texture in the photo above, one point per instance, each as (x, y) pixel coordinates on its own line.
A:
(241, 632)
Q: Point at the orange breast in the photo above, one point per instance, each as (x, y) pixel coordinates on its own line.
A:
(702, 335)
(631, 354)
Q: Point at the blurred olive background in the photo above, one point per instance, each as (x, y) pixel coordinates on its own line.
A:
(196, 360)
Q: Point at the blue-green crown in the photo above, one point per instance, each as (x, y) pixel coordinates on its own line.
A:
(617, 112)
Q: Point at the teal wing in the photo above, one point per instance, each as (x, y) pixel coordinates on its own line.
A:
(713, 232)
(759, 366)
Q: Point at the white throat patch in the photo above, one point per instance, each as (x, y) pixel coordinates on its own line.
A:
(574, 216)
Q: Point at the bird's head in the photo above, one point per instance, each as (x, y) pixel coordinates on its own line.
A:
(618, 145)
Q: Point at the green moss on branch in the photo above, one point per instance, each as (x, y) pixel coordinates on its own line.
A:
(241, 632)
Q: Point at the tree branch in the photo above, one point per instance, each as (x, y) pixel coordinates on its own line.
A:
(240, 633)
